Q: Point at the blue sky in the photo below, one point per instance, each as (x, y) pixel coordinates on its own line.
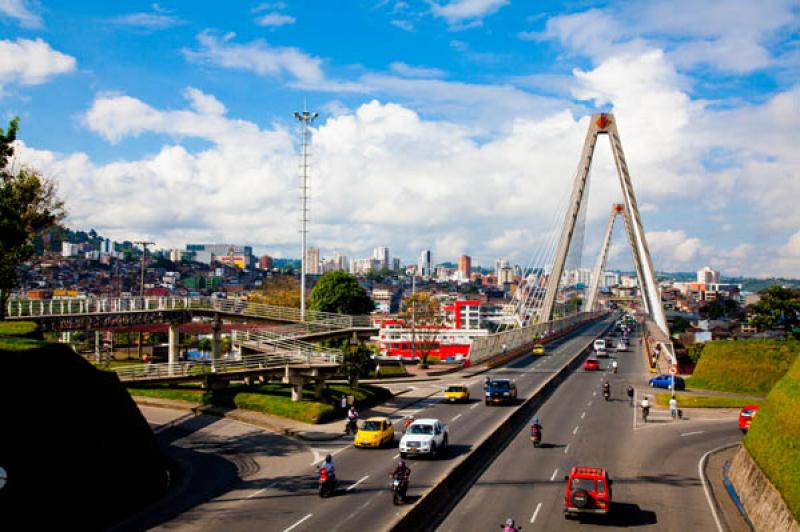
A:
(453, 125)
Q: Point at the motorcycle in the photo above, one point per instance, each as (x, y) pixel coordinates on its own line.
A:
(536, 435)
(327, 483)
(399, 488)
(606, 395)
(510, 528)
(351, 426)
(645, 413)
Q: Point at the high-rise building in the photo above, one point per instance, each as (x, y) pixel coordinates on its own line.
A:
(505, 275)
(424, 265)
(312, 261)
(499, 264)
(464, 267)
(708, 276)
(341, 261)
(609, 279)
(381, 254)
(175, 255)
(266, 262)
(396, 264)
(105, 246)
(69, 249)
(208, 253)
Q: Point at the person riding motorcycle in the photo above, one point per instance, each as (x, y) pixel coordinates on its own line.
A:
(509, 526)
(645, 408)
(401, 471)
(329, 466)
(629, 391)
(536, 422)
(352, 418)
(614, 365)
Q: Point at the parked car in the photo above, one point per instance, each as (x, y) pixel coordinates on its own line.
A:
(456, 393)
(591, 364)
(375, 432)
(665, 382)
(424, 436)
(746, 415)
(588, 491)
(501, 391)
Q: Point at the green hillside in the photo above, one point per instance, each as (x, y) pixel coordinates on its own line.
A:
(744, 366)
(774, 437)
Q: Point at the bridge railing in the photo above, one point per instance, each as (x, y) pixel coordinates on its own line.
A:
(485, 347)
(269, 340)
(22, 308)
(200, 369)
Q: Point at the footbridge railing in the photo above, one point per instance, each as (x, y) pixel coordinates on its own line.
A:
(33, 308)
(166, 371)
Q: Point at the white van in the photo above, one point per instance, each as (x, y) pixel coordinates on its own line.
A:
(600, 347)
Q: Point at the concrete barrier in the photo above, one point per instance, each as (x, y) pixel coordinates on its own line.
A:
(431, 509)
(763, 503)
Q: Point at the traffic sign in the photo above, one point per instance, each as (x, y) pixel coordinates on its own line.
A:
(673, 370)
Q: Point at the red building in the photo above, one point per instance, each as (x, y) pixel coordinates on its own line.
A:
(266, 262)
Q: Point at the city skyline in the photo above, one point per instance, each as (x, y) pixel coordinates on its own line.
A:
(465, 142)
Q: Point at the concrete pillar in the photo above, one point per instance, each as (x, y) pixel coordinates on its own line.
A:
(172, 356)
(216, 329)
(296, 382)
(97, 346)
(319, 387)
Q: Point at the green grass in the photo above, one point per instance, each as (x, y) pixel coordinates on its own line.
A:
(116, 364)
(20, 336)
(774, 437)
(19, 328)
(20, 344)
(392, 371)
(743, 366)
(272, 398)
(704, 401)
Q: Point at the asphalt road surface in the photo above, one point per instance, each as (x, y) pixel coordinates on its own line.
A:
(363, 502)
(654, 466)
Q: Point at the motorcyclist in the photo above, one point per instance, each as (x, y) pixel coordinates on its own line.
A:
(401, 471)
(509, 526)
(536, 422)
(329, 466)
(629, 391)
(486, 382)
(606, 388)
(645, 408)
(614, 365)
(352, 418)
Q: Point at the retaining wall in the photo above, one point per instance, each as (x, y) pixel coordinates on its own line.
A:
(762, 501)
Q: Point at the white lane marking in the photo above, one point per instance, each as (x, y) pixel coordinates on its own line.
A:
(553, 476)
(297, 523)
(566, 449)
(359, 481)
(456, 417)
(594, 394)
(262, 490)
(575, 430)
(318, 458)
(590, 403)
(701, 470)
(395, 456)
(583, 415)
(475, 405)
(692, 433)
(536, 512)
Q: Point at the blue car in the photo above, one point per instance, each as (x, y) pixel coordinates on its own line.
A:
(665, 381)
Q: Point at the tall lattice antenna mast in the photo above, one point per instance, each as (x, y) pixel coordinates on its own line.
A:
(305, 119)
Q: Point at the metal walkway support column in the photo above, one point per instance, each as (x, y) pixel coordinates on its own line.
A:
(605, 124)
(216, 330)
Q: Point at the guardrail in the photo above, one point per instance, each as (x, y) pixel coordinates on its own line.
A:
(21, 308)
(486, 347)
(266, 340)
(245, 363)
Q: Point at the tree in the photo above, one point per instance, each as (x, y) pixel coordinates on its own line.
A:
(357, 361)
(340, 292)
(777, 306)
(721, 308)
(282, 291)
(423, 310)
(29, 205)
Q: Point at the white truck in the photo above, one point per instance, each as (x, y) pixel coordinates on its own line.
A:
(600, 347)
(424, 436)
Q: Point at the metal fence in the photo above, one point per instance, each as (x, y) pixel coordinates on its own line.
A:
(149, 372)
(485, 347)
(21, 308)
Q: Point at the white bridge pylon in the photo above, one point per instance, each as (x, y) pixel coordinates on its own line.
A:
(605, 124)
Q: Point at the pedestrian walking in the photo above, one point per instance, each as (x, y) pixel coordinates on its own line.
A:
(344, 403)
(673, 407)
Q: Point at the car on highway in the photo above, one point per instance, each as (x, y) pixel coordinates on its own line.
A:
(665, 382)
(424, 437)
(501, 391)
(588, 491)
(600, 348)
(622, 345)
(375, 432)
(456, 393)
(746, 415)
(591, 364)
(538, 349)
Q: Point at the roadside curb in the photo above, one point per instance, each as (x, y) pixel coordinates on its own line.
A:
(712, 496)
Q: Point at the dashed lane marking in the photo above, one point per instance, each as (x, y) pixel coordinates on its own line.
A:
(536, 512)
(553, 476)
(566, 449)
(262, 490)
(357, 482)
(475, 405)
(456, 417)
(692, 433)
(297, 523)
(575, 430)
(583, 415)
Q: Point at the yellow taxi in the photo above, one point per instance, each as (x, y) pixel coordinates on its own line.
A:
(456, 393)
(375, 432)
(538, 349)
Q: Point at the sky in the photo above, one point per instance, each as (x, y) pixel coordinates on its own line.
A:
(450, 125)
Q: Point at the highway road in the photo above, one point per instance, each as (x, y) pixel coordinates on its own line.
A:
(654, 467)
(290, 501)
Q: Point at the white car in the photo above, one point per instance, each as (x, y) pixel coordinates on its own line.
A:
(424, 436)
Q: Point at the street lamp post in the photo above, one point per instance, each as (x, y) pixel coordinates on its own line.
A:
(144, 245)
(305, 118)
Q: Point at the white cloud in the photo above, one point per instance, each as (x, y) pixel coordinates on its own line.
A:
(18, 10)
(148, 21)
(31, 62)
(408, 71)
(672, 249)
(256, 56)
(275, 20)
(402, 24)
(460, 11)
(792, 247)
